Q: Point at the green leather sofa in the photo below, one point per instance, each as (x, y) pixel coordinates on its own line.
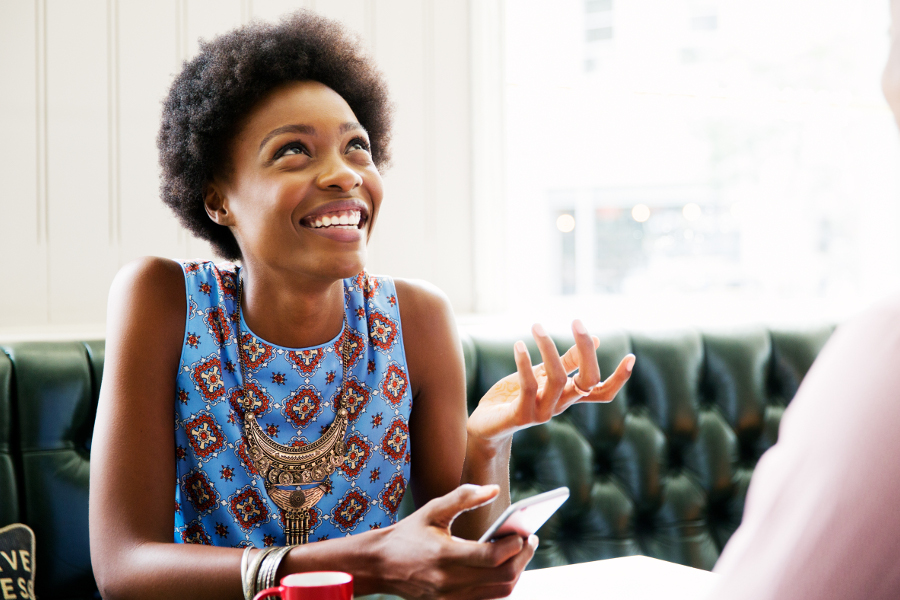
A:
(661, 471)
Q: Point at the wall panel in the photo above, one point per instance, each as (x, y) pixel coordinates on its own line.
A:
(23, 258)
(450, 153)
(401, 240)
(271, 10)
(147, 225)
(82, 255)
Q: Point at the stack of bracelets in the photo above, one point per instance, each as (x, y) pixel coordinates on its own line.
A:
(260, 574)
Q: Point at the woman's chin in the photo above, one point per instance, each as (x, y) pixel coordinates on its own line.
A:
(350, 268)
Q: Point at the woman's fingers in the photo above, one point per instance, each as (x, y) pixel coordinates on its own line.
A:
(488, 555)
(527, 381)
(442, 511)
(554, 372)
(571, 358)
(606, 391)
(499, 580)
(588, 368)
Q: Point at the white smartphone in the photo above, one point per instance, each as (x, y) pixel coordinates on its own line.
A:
(527, 515)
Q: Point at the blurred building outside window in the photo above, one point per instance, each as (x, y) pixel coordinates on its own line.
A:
(681, 161)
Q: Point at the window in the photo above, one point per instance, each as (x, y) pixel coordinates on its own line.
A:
(679, 153)
(598, 30)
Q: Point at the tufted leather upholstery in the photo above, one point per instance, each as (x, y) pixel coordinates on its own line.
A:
(662, 470)
(56, 388)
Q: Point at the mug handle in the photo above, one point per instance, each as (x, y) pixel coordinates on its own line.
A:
(272, 591)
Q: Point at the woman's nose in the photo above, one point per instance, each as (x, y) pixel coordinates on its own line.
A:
(338, 175)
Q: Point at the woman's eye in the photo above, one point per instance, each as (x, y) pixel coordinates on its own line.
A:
(358, 144)
(291, 149)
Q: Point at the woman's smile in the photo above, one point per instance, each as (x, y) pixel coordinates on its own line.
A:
(342, 221)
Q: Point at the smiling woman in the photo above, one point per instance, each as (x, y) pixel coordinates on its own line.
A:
(308, 394)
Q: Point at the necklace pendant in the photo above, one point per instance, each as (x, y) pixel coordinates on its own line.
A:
(296, 527)
(295, 505)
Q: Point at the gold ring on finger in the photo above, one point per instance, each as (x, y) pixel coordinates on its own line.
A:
(586, 392)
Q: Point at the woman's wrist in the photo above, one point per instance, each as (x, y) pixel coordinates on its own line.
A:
(360, 555)
(484, 449)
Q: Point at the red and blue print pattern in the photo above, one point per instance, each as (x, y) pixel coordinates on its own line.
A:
(351, 510)
(293, 392)
(303, 406)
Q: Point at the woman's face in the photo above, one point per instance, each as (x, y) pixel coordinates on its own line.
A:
(890, 81)
(303, 193)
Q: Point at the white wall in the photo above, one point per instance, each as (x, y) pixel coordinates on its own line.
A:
(80, 88)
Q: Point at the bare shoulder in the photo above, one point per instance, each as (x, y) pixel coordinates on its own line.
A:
(149, 274)
(433, 350)
(147, 299)
(421, 301)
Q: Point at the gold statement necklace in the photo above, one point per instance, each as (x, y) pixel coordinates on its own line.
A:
(295, 478)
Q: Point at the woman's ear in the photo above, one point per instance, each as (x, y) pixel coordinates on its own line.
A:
(216, 204)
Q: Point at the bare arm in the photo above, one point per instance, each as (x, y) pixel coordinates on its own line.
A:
(132, 458)
(442, 457)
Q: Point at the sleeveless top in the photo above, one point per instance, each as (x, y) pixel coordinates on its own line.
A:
(219, 498)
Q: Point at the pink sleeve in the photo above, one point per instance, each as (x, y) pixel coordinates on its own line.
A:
(822, 517)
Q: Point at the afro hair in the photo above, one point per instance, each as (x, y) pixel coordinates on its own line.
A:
(219, 87)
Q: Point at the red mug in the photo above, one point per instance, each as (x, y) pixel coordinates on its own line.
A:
(315, 585)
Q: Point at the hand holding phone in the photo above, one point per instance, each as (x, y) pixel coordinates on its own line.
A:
(527, 515)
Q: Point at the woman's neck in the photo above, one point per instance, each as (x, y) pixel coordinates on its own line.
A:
(290, 311)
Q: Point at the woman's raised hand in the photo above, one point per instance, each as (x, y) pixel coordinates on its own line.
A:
(534, 394)
(423, 560)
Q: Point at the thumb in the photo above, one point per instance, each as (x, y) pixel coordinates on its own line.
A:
(441, 511)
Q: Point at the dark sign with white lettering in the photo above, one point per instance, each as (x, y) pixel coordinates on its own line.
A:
(16, 563)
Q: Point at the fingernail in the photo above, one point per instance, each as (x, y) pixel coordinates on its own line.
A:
(579, 327)
(520, 346)
(629, 365)
(539, 329)
(533, 541)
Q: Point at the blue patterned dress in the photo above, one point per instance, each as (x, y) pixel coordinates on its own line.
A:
(219, 498)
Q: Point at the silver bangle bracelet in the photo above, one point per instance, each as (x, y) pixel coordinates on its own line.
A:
(245, 562)
(253, 571)
(269, 570)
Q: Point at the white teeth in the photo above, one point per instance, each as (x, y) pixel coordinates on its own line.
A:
(347, 219)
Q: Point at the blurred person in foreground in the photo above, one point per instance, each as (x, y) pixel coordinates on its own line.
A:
(821, 520)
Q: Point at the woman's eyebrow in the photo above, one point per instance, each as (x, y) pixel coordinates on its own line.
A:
(306, 129)
(351, 126)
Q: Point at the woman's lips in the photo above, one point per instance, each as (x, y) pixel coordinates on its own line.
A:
(343, 218)
(345, 225)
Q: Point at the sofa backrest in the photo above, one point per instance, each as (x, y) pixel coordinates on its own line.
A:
(54, 389)
(661, 471)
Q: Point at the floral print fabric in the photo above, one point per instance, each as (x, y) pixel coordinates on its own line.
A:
(219, 498)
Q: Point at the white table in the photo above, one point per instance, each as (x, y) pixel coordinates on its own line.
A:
(632, 577)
